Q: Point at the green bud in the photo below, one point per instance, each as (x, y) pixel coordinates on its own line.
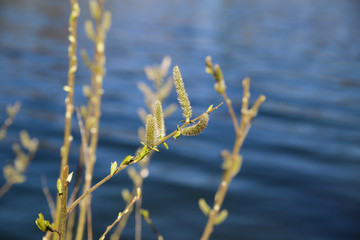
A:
(236, 165)
(95, 9)
(106, 20)
(204, 207)
(89, 30)
(25, 138)
(221, 217)
(59, 186)
(126, 195)
(144, 213)
(138, 190)
(208, 66)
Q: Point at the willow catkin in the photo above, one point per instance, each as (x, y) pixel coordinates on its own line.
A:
(150, 130)
(198, 127)
(182, 95)
(159, 120)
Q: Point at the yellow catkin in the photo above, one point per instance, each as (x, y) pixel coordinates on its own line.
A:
(182, 95)
(150, 130)
(159, 120)
(198, 127)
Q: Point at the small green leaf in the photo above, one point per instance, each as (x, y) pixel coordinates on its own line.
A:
(165, 145)
(210, 108)
(113, 168)
(177, 135)
(59, 186)
(143, 153)
(204, 207)
(221, 217)
(42, 224)
(127, 160)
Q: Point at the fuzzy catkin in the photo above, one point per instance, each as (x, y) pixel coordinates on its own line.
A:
(182, 95)
(150, 130)
(198, 127)
(159, 120)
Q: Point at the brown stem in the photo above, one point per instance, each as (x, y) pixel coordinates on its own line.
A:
(63, 197)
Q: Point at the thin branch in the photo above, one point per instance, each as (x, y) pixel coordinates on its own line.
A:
(120, 216)
(75, 11)
(122, 167)
(48, 197)
(240, 131)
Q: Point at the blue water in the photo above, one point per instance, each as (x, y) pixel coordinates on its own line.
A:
(301, 173)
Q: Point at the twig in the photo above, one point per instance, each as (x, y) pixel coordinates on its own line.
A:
(4, 188)
(137, 197)
(145, 214)
(241, 132)
(89, 222)
(63, 197)
(48, 197)
(134, 160)
(75, 11)
(12, 111)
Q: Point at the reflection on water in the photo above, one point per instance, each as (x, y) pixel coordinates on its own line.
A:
(300, 177)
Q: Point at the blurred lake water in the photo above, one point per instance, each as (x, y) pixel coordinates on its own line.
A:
(301, 173)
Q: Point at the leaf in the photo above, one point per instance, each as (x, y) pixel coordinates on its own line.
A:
(127, 160)
(165, 145)
(42, 224)
(177, 135)
(143, 153)
(113, 168)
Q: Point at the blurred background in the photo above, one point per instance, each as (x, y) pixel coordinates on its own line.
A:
(301, 173)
